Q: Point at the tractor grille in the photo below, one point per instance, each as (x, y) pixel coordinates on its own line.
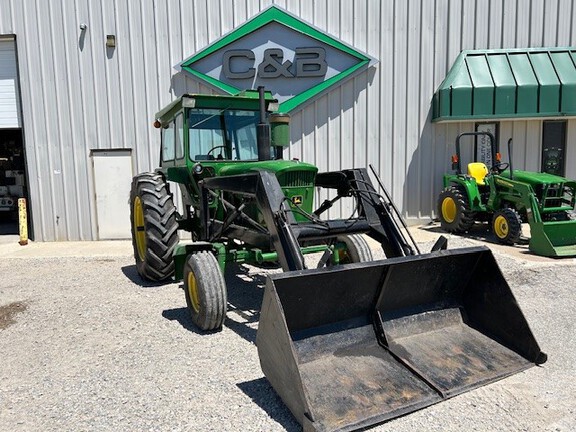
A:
(296, 178)
(553, 195)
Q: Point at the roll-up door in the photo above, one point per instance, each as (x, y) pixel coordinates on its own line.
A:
(9, 110)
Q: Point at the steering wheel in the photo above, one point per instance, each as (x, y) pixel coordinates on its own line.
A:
(214, 148)
(500, 166)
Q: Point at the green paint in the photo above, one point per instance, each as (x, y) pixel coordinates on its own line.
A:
(508, 83)
(527, 192)
(296, 179)
(303, 97)
(544, 200)
(277, 15)
(504, 84)
(273, 14)
(564, 67)
(482, 84)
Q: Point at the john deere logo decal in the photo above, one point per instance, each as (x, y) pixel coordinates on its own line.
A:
(293, 59)
(297, 199)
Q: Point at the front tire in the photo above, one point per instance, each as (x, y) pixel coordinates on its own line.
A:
(205, 290)
(507, 226)
(454, 211)
(357, 249)
(154, 226)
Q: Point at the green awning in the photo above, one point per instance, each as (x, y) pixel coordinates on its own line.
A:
(513, 83)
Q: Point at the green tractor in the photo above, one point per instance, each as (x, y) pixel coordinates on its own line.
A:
(355, 341)
(505, 198)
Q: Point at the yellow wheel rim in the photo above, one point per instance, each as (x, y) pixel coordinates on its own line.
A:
(501, 227)
(449, 209)
(139, 229)
(193, 292)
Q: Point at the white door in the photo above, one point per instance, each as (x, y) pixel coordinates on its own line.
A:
(112, 179)
(9, 110)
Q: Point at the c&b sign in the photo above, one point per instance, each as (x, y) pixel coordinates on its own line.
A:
(293, 59)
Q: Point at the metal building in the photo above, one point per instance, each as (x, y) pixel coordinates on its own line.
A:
(80, 82)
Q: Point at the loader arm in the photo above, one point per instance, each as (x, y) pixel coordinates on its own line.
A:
(264, 187)
(520, 194)
(547, 237)
(375, 214)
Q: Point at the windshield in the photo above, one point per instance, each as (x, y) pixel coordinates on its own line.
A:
(222, 134)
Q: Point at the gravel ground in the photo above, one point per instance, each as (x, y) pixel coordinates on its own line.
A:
(85, 345)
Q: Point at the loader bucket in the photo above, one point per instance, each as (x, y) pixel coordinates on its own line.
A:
(553, 239)
(351, 346)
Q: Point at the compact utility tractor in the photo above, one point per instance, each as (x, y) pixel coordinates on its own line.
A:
(351, 343)
(505, 198)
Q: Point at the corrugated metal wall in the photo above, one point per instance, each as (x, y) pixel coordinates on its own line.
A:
(78, 95)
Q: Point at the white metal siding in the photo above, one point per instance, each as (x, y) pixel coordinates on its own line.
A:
(77, 95)
(9, 106)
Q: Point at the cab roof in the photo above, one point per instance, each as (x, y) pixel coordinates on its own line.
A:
(247, 99)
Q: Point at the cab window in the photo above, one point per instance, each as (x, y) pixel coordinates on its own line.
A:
(168, 142)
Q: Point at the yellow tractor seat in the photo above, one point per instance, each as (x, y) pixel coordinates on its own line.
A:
(478, 171)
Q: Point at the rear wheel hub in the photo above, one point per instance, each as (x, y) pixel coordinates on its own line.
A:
(449, 209)
(501, 227)
(139, 229)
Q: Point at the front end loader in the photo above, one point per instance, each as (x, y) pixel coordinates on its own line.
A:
(353, 342)
(506, 197)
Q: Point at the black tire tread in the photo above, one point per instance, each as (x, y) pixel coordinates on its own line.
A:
(464, 216)
(514, 225)
(160, 224)
(358, 248)
(212, 291)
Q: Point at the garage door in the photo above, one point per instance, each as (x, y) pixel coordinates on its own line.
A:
(9, 112)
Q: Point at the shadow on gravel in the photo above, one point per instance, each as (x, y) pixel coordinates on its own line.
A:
(480, 231)
(263, 395)
(182, 316)
(245, 292)
(131, 273)
(8, 313)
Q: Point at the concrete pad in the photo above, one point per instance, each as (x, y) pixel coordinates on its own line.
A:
(430, 232)
(481, 235)
(109, 248)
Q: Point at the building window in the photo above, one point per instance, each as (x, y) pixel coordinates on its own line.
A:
(554, 147)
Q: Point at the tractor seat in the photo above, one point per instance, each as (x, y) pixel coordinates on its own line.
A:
(478, 171)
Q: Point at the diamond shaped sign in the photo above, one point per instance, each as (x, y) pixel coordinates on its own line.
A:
(275, 49)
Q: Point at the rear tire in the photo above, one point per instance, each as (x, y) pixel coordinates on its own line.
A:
(357, 249)
(507, 226)
(154, 226)
(454, 210)
(205, 290)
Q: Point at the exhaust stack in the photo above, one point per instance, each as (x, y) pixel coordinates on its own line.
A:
(263, 129)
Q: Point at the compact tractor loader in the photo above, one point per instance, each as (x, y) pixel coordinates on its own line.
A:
(354, 342)
(505, 198)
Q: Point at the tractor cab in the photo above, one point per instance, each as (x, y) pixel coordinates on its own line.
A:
(204, 128)
(224, 134)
